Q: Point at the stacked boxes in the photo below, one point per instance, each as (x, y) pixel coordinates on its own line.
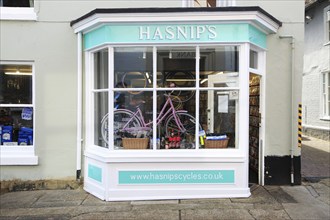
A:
(25, 136)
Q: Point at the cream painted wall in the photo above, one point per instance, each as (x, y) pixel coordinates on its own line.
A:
(53, 51)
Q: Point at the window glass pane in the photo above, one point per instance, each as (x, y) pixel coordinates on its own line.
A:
(219, 62)
(16, 3)
(101, 69)
(176, 69)
(15, 84)
(101, 122)
(16, 126)
(133, 121)
(176, 121)
(218, 117)
(253, 59)
(133, 68)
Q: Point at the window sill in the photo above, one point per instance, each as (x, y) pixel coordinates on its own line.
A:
(10, 13)
(325, 118)
(166, 156)
(327, 44)
(17, 155)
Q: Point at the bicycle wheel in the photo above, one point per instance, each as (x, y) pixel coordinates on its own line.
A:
(121, 118)
(134, 80)
(181, 79)
(188, 122)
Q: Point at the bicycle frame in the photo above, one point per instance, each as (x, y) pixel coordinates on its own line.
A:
(163, 114)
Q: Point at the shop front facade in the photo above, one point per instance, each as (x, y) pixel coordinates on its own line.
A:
(170, 103)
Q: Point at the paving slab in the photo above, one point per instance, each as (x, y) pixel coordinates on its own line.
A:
(22, 199)
(136, 215)
(259, 195)
(269, 214)
(206, 214)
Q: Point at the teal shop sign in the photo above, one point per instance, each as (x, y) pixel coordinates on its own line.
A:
(173, 33)
(177, 177)
(95, 173)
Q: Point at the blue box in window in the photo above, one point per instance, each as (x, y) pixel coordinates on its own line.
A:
(25, 136)
(7, 134)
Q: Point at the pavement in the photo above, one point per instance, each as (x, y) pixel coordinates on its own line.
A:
(315, 158)
(311, 200)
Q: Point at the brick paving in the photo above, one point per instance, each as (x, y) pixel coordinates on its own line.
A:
(315, 158)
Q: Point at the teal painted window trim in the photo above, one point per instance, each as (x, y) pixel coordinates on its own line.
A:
(95, 173)
(173, 33)
(177, 177)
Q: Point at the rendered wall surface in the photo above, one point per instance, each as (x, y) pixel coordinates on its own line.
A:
(316, 61)
(52, 45)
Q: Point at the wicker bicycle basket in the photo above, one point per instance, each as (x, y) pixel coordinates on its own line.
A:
(216, 143)
(135, 143)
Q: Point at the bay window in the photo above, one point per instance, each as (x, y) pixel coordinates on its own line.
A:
(165, 97)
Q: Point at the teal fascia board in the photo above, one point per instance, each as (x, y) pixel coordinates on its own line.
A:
(257, 37)
(173, 33)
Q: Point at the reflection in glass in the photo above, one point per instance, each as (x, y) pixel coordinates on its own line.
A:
(253, 59)
(219, 113)
(176, 68)
(133, 68)
(101, 123)
(133, 120)
(176, 121)
(219, 62)
(15, 84)
(101, 69)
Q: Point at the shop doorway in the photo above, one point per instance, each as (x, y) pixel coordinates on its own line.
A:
(254, 129)
(222, 107)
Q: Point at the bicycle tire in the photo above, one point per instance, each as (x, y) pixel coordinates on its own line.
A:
(187, 120)
(118, 124)
(125, 83)
(184, 95)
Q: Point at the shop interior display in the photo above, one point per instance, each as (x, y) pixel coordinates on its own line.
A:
(254, 122)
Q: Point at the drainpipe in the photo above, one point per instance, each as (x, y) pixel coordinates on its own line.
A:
(292, 100)
(79, 105)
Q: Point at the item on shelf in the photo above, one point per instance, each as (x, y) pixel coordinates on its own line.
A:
(135, 143)
(25, 136)
(7, 134)
(216, 141)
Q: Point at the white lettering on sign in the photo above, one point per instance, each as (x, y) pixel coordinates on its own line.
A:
(177, 32)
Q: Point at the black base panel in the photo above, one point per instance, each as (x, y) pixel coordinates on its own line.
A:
(278, 170)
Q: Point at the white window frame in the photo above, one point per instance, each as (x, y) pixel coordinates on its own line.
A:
(326, 13)
(219, 3)
(20, 155)
(18, 13)
(324, 95)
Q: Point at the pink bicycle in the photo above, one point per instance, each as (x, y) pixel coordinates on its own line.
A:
(177, 121)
